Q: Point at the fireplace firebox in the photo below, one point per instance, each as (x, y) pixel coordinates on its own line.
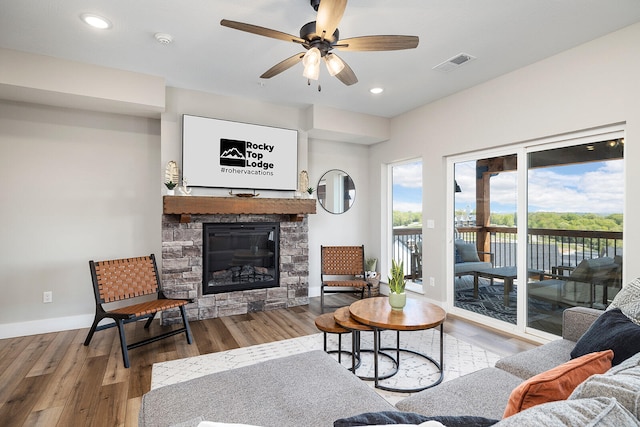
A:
(240, 256)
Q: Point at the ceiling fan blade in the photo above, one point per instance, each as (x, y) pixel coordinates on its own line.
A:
(347, 76)
(282, 66)
(329, 15)
(261, 31)
(377, 43)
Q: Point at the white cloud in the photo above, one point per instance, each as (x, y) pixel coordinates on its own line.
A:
(409, 175)
(596, 191)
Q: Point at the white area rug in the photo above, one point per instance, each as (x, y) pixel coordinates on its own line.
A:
(460, 358)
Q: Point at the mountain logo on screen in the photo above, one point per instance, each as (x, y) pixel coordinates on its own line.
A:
(233, 152)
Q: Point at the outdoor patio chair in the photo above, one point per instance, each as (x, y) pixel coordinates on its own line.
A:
(467, 258)
(122, 280)
(585, 285)
(342, 270)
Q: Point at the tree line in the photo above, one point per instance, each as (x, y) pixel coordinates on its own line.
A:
(545, 220)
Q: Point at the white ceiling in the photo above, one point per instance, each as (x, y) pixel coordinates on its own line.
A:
(504, 35)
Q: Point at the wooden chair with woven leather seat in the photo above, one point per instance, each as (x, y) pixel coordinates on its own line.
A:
(123, 279)
(342, 270)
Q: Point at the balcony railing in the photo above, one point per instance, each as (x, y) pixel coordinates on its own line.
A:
(546, 248)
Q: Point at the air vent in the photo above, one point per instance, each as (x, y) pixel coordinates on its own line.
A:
(454, 63)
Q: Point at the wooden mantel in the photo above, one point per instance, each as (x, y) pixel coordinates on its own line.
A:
(185, 206)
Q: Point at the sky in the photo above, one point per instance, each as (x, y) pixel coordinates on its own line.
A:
(596, 187)
(407, 187)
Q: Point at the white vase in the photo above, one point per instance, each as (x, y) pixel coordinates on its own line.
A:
(171, 192)
(397, 301)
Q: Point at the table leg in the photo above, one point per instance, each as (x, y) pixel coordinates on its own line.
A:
(508, 285)
(376, 343)
(475, 284)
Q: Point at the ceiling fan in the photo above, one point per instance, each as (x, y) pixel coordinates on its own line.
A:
(320, 37)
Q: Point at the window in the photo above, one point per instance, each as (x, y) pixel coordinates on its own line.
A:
(406, 227)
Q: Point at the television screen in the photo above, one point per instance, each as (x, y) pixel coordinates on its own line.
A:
(224, 154)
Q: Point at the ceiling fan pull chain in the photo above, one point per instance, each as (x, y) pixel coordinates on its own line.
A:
(319, 88)
(308, 82)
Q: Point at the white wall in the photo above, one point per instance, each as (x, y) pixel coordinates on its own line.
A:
(592, 85)
(182, 101)
(78, 185)
(350, 228)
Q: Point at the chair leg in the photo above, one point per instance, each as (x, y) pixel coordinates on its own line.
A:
(321, 298)
(185, 321)
(123, 342)
(96, 320)
(148, 322)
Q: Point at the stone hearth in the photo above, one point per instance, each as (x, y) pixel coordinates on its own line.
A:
(181, 270)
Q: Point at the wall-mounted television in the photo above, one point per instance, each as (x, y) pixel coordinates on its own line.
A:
(224, 154)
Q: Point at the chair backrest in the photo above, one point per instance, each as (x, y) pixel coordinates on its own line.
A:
(342, 260)
(119, 279)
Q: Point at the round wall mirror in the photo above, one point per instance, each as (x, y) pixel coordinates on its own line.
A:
(336, 191)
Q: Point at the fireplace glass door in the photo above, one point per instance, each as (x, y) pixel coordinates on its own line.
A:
(240, 256)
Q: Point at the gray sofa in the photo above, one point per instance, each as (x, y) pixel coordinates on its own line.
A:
(312, 389)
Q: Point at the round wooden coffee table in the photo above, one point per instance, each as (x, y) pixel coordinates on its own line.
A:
(343, 318)
(416, 315)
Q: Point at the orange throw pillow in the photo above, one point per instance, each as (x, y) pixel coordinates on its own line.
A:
(557, 383)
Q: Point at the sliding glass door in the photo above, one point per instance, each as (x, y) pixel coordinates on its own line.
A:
(574, 219)
(538, 230)
(485, 250)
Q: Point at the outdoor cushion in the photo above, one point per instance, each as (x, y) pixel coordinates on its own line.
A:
(578, 287)
(612, 330)
(557, 383)
(467, 251)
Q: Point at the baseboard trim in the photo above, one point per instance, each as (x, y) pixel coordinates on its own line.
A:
(35, 327)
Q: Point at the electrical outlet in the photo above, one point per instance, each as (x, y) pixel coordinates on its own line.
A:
(432, 281)
(47, 297)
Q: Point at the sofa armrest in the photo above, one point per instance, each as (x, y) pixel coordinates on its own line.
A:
(576, 321)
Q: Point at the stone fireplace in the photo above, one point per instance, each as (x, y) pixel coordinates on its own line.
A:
(183, 224)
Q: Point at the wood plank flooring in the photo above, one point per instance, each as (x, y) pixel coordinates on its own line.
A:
(54, 380)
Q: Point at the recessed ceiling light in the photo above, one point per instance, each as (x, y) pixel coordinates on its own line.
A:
(376, 90)
(95, 21)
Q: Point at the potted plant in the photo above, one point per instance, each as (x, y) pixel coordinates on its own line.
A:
(171, 177)
(310, 190)
(397, 297)
(170, 187)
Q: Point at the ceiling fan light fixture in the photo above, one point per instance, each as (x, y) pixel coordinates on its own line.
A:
(334, 64)
(312, 71)
(311, 62)
(312, 57)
